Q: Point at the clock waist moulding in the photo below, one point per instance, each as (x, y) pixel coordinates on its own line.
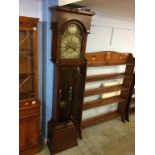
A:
(70, 28)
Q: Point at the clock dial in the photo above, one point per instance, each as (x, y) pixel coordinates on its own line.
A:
(71, 42)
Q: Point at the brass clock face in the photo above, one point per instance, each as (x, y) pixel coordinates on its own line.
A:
(71, 43)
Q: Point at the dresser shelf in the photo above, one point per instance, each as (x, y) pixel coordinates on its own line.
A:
(107, 89)
(98, 119)
(101, 102)
(106, 77)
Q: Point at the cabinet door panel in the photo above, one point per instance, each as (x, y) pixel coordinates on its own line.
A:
(33, 132)
(22, 136)
(28, 133)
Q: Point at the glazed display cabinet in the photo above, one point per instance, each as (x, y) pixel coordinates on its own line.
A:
(29, 105)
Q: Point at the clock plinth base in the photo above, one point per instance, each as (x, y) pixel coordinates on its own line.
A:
(61, 136)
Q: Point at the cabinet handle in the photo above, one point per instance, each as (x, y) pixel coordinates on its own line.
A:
(70, 93)
(26, 103)
(33, 102)
(34, 28)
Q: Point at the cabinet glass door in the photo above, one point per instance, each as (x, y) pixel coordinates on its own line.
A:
(26, 65)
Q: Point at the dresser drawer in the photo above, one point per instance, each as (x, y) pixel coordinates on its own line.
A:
(29, 109)
(106, 58)
(114, 58)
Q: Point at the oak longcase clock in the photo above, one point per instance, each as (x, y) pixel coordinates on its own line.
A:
(69, 35)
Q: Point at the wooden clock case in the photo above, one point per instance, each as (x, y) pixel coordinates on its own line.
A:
(69, 80)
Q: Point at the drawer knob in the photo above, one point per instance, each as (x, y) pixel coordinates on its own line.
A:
(33, 102)
(93, 57)
(26, 103)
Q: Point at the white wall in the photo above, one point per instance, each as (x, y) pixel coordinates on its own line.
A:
(111, 33)
(65, 2)
(30, 8)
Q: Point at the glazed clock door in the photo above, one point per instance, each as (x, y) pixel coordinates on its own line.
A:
(65, 93)
(71, 82)
(71, 42)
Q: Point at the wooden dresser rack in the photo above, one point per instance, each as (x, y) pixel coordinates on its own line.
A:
(103, 59)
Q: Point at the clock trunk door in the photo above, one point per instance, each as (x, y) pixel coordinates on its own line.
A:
(76, 106)
(69, 93)
(65, 93)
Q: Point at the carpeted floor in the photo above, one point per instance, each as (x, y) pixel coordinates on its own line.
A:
(108, 138)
